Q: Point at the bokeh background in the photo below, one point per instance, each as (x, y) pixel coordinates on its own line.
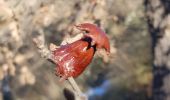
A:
(24, 75)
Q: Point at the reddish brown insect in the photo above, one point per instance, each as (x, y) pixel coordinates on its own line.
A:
(98, 36)
(72, 59)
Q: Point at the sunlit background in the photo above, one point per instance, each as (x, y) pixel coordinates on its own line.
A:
(124, 75)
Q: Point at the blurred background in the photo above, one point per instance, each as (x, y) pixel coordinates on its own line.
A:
(125, 75)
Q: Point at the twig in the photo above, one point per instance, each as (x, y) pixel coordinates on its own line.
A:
(42, 49)
(46, 53)
(74, 85)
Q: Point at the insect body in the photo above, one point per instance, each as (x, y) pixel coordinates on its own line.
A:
(98, 36)
(72, 59)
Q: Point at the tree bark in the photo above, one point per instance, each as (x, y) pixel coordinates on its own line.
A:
(158, 19)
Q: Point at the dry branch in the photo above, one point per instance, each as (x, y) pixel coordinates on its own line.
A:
(46, 53)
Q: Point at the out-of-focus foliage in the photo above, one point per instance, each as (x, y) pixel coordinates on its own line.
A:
(125, 75)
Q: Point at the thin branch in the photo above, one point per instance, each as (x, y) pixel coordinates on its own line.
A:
(42, 49)
(46, 53)
(74, 85)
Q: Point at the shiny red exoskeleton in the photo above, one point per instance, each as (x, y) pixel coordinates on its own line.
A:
(98, 36)
(72, 59)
